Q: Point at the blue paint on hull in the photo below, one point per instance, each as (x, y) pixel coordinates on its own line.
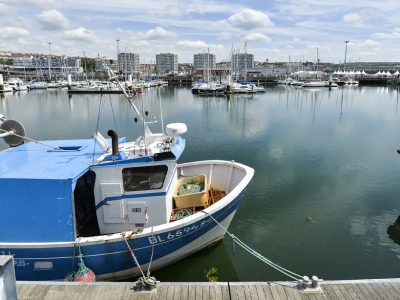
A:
(111, 257)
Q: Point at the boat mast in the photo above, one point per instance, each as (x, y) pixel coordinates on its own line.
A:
(49, 62)
(345, 56)
(245, 61)
(317, 63)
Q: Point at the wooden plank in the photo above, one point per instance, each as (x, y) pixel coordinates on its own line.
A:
(170, 292)
(198, 292)
(260, 292)
(240, 292)
(388, 291)
(395, 286)
(214, 291)
(233, 294)
(192, 292)
(281, 291)
(329, 292)
(162, 292)
(267, 291)
(205, 292)
(360, 291)
(274, 291)
(183, 292)
(247, 292)
(226, 292)
(24, 291)
(292, 292)
(368, 288)
(352, 292)
(341, 288)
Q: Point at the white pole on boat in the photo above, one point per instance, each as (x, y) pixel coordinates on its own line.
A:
(69, 79)
(1, 79)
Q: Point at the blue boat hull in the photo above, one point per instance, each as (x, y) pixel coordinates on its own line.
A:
(111, 259)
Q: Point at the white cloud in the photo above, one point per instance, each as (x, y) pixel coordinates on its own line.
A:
(52, 20)
(256, 37)
(354, 18)
(225, 35)
(197, 44)
(81, 34)
(369, 44)
(248, 19)
(13, 32)
(395, 34)
(158, 33)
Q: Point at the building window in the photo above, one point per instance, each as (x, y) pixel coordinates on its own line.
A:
(144, 178)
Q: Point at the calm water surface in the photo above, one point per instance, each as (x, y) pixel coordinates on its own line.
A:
(327, 176)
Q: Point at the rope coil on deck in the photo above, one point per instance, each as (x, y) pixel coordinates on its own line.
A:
(302, 279)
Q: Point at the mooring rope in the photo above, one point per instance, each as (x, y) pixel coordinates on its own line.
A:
(247, 248)
(145, 281)
(32, 140)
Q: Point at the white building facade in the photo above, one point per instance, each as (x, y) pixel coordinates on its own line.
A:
(128, 63)
(166, 63)
(204, 61)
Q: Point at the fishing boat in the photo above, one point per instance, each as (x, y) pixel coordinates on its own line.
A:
(117, 207)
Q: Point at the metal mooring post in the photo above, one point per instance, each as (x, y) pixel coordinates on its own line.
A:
(8, 287)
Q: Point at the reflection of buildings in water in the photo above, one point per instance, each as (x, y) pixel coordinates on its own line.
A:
(243, 115)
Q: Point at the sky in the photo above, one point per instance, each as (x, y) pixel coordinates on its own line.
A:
(273, 30)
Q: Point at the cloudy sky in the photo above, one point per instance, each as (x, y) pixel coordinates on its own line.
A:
(273, 29)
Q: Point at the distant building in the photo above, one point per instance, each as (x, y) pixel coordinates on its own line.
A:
(148, 68)
(204, 61)
(128, 63)
(109, 62)
(166, 63)
(38, 65)
(241, 62)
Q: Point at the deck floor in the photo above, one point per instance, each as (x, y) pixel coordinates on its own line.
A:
(351, 290)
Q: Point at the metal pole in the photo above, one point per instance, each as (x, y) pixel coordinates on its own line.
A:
(345, 56)
(117, 54)
(49, 62)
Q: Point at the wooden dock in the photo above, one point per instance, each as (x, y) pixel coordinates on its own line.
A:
(350, 289)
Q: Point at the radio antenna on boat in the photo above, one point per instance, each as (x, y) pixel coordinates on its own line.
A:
(113, 77)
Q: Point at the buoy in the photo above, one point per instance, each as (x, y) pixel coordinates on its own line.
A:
(84, 274)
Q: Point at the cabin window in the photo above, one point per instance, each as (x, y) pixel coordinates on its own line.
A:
(144, 178)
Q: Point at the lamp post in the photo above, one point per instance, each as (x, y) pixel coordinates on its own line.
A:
(117, 40)
(345, 55)
(49, 62)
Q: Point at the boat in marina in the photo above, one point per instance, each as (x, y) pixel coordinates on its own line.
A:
(17, 85)
(37, 85)
(4, 87)
(115, 205)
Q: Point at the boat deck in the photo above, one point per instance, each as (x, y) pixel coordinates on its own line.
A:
(351, 289)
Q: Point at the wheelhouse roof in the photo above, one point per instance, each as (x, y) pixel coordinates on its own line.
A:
(37, 161)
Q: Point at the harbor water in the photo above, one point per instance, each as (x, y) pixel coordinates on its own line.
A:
(326, 184)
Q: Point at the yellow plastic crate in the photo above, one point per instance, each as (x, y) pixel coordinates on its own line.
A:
(195, 199)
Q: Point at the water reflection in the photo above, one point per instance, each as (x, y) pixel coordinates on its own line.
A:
(324, 154)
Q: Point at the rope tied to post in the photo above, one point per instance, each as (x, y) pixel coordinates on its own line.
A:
(144, 281)
(304, 281)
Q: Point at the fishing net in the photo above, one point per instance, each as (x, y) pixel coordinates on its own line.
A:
(190, 187)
